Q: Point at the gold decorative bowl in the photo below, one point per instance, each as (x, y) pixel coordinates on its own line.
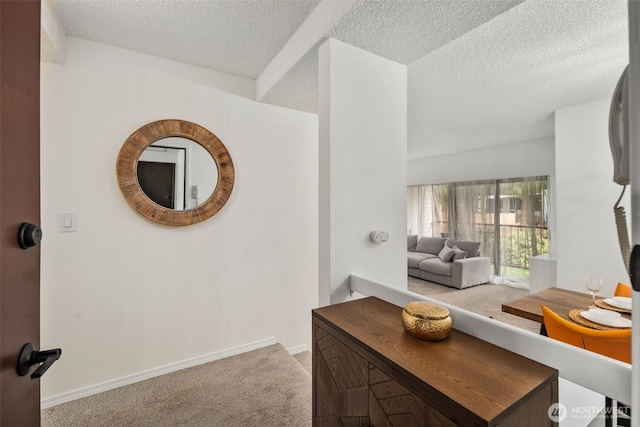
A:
(426, 321)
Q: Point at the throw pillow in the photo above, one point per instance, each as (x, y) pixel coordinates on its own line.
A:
(458, 254)
(471, 248)
(446, 254)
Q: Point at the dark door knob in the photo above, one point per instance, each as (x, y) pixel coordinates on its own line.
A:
(29, 235)
(29, 357)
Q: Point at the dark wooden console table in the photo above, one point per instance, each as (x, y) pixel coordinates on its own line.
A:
(367, 371)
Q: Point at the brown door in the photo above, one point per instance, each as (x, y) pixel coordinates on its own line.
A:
(157, 180)
(19, 203)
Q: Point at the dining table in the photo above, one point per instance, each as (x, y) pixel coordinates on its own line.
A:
(560, 301)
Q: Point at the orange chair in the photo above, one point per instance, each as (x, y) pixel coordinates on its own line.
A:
(615, 344)
(622, 290)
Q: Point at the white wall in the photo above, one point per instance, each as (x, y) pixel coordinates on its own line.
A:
(363, 152)
(530, 158)
(520, 159)
(587, 241)
(124, 295)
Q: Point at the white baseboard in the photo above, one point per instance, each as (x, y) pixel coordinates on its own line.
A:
(110, 385)
(297, 349)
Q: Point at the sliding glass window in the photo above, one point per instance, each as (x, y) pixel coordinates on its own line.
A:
(508, 217)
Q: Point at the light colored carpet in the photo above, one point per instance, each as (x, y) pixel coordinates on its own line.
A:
(264, 387)
(304, 358)
(486, 300)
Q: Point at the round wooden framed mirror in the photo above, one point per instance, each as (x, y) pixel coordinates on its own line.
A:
(127, 171)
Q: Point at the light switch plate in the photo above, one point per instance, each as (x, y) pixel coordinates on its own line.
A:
(67, 222)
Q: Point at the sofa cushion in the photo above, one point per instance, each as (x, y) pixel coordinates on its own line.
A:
(446, 254)
(412, 242)
(436, 266)
(430, 245)
(458, 254)
(471, 248)
(415, 258)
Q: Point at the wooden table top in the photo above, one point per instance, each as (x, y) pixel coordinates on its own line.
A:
(561, 301)
(461, 371)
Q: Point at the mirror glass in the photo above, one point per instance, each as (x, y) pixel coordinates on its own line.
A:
(177, 173)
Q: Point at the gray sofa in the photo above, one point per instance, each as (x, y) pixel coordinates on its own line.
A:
(454, 263)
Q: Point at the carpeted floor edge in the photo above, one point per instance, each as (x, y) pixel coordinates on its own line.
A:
(264, 387)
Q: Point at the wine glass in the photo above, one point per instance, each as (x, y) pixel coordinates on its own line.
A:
(594, 285)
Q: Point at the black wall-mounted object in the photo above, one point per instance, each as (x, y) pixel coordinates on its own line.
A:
(29, 235)
(634, 268)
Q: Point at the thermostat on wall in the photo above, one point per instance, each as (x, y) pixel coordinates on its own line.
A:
(379, 236)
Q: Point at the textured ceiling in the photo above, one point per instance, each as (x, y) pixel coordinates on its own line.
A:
(502, 82)
(481, 72)
(402, 31)
(238, 37)
(405, 31)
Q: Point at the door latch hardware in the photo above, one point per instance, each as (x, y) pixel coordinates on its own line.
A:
(29, 357)
(29, 235)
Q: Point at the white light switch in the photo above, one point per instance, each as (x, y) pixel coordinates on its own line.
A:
(68, 222)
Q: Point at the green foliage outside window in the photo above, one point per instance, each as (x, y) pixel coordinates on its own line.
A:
(518, 246)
